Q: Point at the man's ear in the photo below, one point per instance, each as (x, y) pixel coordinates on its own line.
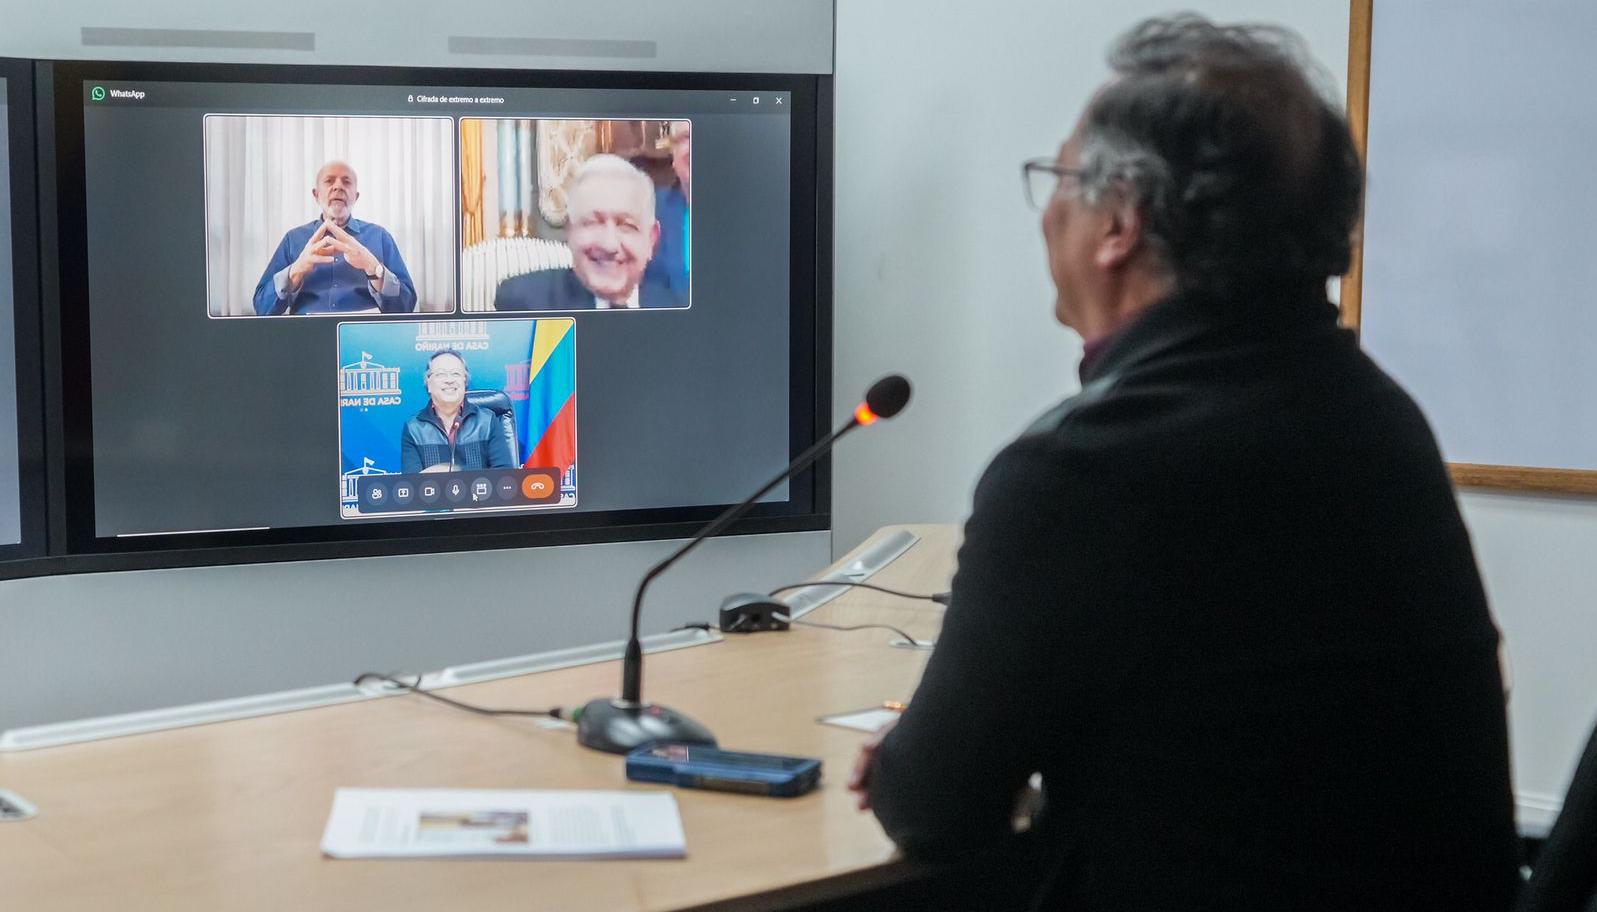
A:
(1122, 234)
(654, 239)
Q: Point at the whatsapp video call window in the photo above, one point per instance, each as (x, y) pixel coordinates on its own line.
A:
(337, 304)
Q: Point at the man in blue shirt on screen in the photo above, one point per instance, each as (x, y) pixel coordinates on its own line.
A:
(673, 259)
(335, 263)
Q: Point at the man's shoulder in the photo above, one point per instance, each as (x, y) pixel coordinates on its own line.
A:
(670, 198)
(1091, 437)
(546, 289)
(1055, 421)
(413, 426)
(362, 227)
(656, 293)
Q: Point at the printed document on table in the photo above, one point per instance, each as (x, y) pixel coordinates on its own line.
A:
(485, 823)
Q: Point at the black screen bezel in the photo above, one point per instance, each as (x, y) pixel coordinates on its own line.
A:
(807, 509)
(26, 308)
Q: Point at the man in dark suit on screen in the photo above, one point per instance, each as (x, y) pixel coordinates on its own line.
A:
(1222, 599)
(612, 233)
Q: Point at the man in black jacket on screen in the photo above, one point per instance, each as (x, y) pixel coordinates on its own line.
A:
(1222, 599)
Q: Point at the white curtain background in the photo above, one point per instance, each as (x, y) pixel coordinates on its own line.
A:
(258, 177)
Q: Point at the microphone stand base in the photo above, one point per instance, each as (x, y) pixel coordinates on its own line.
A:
(618, 726)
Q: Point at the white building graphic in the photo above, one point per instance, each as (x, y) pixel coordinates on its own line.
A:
(351, 480)
(452, 331)
(368, 378)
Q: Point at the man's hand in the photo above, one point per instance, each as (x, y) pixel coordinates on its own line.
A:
(859, 780)
(355, 254)
(318, 250)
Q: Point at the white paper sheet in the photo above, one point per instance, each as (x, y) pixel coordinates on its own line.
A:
(865, 720)
(478, 823)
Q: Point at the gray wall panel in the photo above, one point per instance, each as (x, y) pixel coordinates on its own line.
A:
(100, 644)
(793, 36)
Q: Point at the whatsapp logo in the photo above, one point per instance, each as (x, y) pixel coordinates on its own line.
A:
(97, 93)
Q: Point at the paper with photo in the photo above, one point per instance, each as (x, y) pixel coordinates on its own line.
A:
(457, 823)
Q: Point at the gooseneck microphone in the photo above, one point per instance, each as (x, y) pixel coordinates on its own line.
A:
(619, 725)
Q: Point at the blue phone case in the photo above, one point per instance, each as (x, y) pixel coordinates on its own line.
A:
(698, 766)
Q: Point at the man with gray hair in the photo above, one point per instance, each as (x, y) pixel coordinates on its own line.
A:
(612, 233)
(336, 263)
(1222, 599)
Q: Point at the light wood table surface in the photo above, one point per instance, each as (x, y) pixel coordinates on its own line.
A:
(230, 815)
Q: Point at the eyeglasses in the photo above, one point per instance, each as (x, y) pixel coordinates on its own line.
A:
(1041, 178)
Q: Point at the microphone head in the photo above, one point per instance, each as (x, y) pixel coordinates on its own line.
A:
(887, 396)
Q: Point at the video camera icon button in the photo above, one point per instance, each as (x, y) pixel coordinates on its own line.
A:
(430, 491)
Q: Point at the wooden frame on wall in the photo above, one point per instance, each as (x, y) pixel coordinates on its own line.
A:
(1519, 478)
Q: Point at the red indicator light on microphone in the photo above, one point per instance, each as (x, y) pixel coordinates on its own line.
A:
(864, 415)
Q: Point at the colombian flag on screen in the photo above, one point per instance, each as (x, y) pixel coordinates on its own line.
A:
(552, 398)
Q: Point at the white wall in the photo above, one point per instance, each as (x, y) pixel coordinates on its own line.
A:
(941, 275)
(940, 271)
(1537, 554)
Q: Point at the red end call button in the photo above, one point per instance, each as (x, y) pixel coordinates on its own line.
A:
(540, 486)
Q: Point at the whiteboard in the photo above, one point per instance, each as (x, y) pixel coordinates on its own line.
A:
(1480, 240)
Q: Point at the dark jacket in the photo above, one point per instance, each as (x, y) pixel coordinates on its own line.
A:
(1224, 602)
(480, 443)
(560, 289)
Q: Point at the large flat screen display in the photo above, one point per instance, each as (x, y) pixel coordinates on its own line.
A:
(10, 455)
(401, 310)
(22, 497)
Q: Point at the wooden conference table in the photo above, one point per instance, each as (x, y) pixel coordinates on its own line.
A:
(230, 815)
